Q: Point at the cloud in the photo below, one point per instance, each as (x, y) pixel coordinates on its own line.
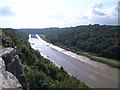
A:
(98, 15)
(96, 9)
(113, 11)
(57, 16)
(95, 14)
(84, 17)
(6, 11)
(61, 13)
(104, 20)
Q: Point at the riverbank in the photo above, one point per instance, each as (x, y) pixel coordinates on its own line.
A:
(94, 74)
(110, 62)
(86, 58)
(40, 50)
(36, 42)
(75, 54)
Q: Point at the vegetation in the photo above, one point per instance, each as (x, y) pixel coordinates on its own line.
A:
(0, 38)
(39, 72)
(97, 42)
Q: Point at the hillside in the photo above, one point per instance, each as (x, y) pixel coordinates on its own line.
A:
(98, 42)
(39, 72)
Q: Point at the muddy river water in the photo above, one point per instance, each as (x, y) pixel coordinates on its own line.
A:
(94, 74)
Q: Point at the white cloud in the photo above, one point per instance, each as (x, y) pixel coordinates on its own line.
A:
(6, 11)
(112, 12)
(55, 13)
(97, 9)
(96, 14)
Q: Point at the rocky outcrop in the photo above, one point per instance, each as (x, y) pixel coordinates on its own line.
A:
(6, 41)
(11, 74)
(7, 79)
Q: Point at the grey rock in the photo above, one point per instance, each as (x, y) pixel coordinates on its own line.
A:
(11, 73)
(7, 79)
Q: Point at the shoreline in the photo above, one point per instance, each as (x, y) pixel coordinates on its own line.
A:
(86, 60)
(93, 64)
(40, 51)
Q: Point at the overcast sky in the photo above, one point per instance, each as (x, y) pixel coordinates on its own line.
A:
(57, 13)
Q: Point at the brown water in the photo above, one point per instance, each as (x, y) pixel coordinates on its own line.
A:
(94, 74)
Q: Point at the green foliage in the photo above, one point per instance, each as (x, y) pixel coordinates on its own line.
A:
(6, 41)
(37, 78)
(97, 40)
(102, 40)
(43, 37)
(40, 72)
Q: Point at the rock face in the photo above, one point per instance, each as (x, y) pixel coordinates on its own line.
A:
(11, 74)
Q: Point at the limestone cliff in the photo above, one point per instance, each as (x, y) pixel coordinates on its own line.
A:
(11, 74)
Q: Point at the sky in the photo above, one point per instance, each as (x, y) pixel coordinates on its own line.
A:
(57, 13)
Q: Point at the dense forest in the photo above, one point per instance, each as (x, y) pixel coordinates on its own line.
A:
(39, 72)
(96, 40)
(101, 40)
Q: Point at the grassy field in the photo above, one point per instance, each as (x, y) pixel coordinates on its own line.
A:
(110, 62)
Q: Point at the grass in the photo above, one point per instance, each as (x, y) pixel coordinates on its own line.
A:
(110, 62)
(0, 46)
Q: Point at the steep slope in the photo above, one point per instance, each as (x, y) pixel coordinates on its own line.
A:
(13, 65)
(39, 72)
(101, 40)
(98, 39)
(98, 42)
(13, 77)
(9, 69)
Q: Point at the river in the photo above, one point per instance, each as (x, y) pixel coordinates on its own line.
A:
(94, 74)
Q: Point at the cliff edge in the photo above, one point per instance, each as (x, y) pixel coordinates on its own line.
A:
(11, 73)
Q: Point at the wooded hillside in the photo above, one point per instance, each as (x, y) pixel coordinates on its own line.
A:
(102, 40)
(39, 72)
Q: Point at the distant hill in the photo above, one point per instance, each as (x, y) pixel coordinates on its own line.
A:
(101, 40)
(38, 31)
